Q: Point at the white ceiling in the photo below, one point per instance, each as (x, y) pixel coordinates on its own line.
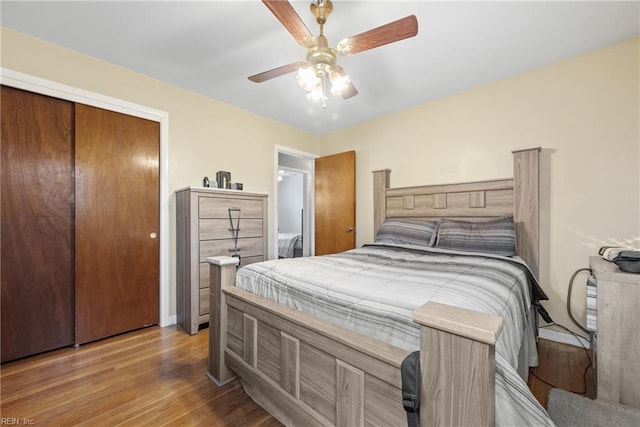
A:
(211, 47)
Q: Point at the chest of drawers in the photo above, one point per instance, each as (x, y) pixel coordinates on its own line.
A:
(204, 229)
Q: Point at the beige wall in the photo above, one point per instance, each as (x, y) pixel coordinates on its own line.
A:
(584, 113)
(205, 136)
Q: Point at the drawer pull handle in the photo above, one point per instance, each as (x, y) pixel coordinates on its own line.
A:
(233, 229)
(234, 250)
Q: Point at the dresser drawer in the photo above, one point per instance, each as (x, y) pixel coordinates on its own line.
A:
(218, 228)
(205, 266)
(212, 207)
(251, 246)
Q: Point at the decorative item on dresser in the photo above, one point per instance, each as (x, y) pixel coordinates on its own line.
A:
(224, 179)
(203, 229)
(618, 339)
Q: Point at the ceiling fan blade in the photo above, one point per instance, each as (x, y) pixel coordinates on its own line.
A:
(287, 15)
(276, 72)
(349, 92)
(385, 34)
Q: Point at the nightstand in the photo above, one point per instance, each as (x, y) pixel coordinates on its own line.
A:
(618, 333)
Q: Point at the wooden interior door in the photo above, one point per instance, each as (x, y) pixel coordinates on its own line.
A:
(335, 203)
(117, 223)
(36, 283)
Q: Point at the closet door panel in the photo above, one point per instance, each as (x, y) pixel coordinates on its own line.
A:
(37, 225)
(117, 215)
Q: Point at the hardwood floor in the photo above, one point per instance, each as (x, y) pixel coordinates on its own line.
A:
(563, 366)
(156, 376)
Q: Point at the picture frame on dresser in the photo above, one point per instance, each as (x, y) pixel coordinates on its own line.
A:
(203, 230)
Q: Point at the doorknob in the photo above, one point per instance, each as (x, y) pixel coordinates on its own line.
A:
(153, 235)
(349, 229)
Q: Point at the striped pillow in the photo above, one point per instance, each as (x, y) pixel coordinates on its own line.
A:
(402, 231)
(497, 236)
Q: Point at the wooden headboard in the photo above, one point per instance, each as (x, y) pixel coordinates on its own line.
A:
(480, 200)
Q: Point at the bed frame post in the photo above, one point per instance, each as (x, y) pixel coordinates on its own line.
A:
(526, 205)
(457, 365)
(222, 275)
(380, 185)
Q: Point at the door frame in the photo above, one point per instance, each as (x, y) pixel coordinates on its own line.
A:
(307, 223)
(308, 203)
(42, 86)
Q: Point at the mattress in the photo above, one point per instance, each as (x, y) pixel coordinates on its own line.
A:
(288, 243)
(373, 290)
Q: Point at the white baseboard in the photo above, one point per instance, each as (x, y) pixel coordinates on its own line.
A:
(563, 337)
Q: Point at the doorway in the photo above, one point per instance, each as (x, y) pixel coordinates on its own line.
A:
(295, 207)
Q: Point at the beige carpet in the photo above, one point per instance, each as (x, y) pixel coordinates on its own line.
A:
(569, 409)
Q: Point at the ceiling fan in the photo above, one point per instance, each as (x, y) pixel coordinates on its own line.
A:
(320, 71)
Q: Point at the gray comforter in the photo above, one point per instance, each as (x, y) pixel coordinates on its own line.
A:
(373, 290)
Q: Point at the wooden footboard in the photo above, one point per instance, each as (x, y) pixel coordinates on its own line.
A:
(457, 365)
(305, 371)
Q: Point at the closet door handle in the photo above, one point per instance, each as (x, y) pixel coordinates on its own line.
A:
(349, 229)
(153, 235)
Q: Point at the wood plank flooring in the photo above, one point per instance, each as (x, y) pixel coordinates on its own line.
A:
(156, 376)
(563, 366)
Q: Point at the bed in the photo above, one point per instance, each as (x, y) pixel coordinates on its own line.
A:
(306, 370)
(289, 245)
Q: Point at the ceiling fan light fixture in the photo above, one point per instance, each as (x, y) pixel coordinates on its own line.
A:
(339, 81)
(307, 78)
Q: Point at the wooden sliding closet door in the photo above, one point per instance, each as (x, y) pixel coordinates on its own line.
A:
(36, 227)
(117, 223)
